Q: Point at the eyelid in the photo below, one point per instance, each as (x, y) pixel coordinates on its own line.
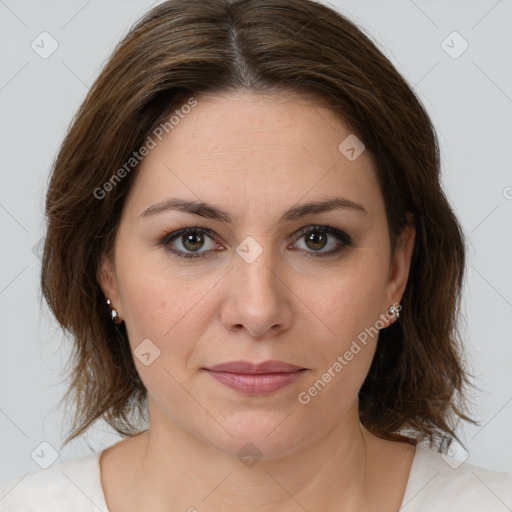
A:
(169, 237)
(344, 237)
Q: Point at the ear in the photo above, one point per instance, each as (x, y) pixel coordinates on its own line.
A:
(107, 279)
(400, 265)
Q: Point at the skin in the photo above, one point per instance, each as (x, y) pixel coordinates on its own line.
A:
(254, 156)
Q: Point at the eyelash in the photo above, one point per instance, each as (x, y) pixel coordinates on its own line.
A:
(345, 240)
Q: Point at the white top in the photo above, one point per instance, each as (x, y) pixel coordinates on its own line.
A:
(434, 485)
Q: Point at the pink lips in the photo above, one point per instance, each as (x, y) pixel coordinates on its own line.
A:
(255, 378)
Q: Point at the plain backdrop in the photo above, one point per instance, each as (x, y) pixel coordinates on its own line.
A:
(463, 79)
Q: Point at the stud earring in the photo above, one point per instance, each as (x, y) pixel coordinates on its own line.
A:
(394, 312)
(113, 312)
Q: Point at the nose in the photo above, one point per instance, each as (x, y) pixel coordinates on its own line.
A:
(256, 297)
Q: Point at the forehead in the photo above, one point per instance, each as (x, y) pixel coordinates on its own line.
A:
(253, 151)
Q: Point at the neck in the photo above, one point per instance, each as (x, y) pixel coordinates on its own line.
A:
(175, 467)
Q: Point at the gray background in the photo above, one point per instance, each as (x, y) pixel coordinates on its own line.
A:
(468, 97)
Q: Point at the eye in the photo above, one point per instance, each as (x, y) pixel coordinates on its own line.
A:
(199, 242)
(318, 238)
(187, 242)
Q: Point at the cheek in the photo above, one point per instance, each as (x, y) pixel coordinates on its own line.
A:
(162, 332)
(350, 299)
(350, 309)
(155, 296)
(167, 308)
(348, 305)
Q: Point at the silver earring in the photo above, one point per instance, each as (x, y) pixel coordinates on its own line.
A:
(113, 312)
(394, 312)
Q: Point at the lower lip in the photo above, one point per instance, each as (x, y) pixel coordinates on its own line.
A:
(256, 384)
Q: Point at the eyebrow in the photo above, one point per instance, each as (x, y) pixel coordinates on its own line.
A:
(212, 212)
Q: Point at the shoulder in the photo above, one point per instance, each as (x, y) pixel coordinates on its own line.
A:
(437, 482)
(74, 485)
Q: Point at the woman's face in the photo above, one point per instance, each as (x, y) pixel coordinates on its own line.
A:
(268, 279)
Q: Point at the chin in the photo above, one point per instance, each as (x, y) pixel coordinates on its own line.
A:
(258, 436)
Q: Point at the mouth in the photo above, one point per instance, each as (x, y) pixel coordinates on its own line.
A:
(255, 378)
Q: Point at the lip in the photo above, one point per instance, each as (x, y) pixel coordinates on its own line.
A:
(255, 378)
(246, 367)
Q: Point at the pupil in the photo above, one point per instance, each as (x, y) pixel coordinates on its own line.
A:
(318, 239)
(189, 240)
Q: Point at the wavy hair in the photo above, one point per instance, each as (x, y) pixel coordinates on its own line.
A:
(415, 388)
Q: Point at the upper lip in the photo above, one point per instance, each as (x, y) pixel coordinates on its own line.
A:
(255, 368)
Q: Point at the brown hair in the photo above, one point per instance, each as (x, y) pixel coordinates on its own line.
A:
(182, 49)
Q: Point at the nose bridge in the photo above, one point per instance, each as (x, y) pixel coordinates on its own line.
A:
(257, 298)
(256, 267)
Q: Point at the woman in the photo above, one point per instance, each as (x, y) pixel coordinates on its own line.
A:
(248, 240)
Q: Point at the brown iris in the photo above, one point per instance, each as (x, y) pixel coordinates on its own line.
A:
(193, 242)
(316, 240)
